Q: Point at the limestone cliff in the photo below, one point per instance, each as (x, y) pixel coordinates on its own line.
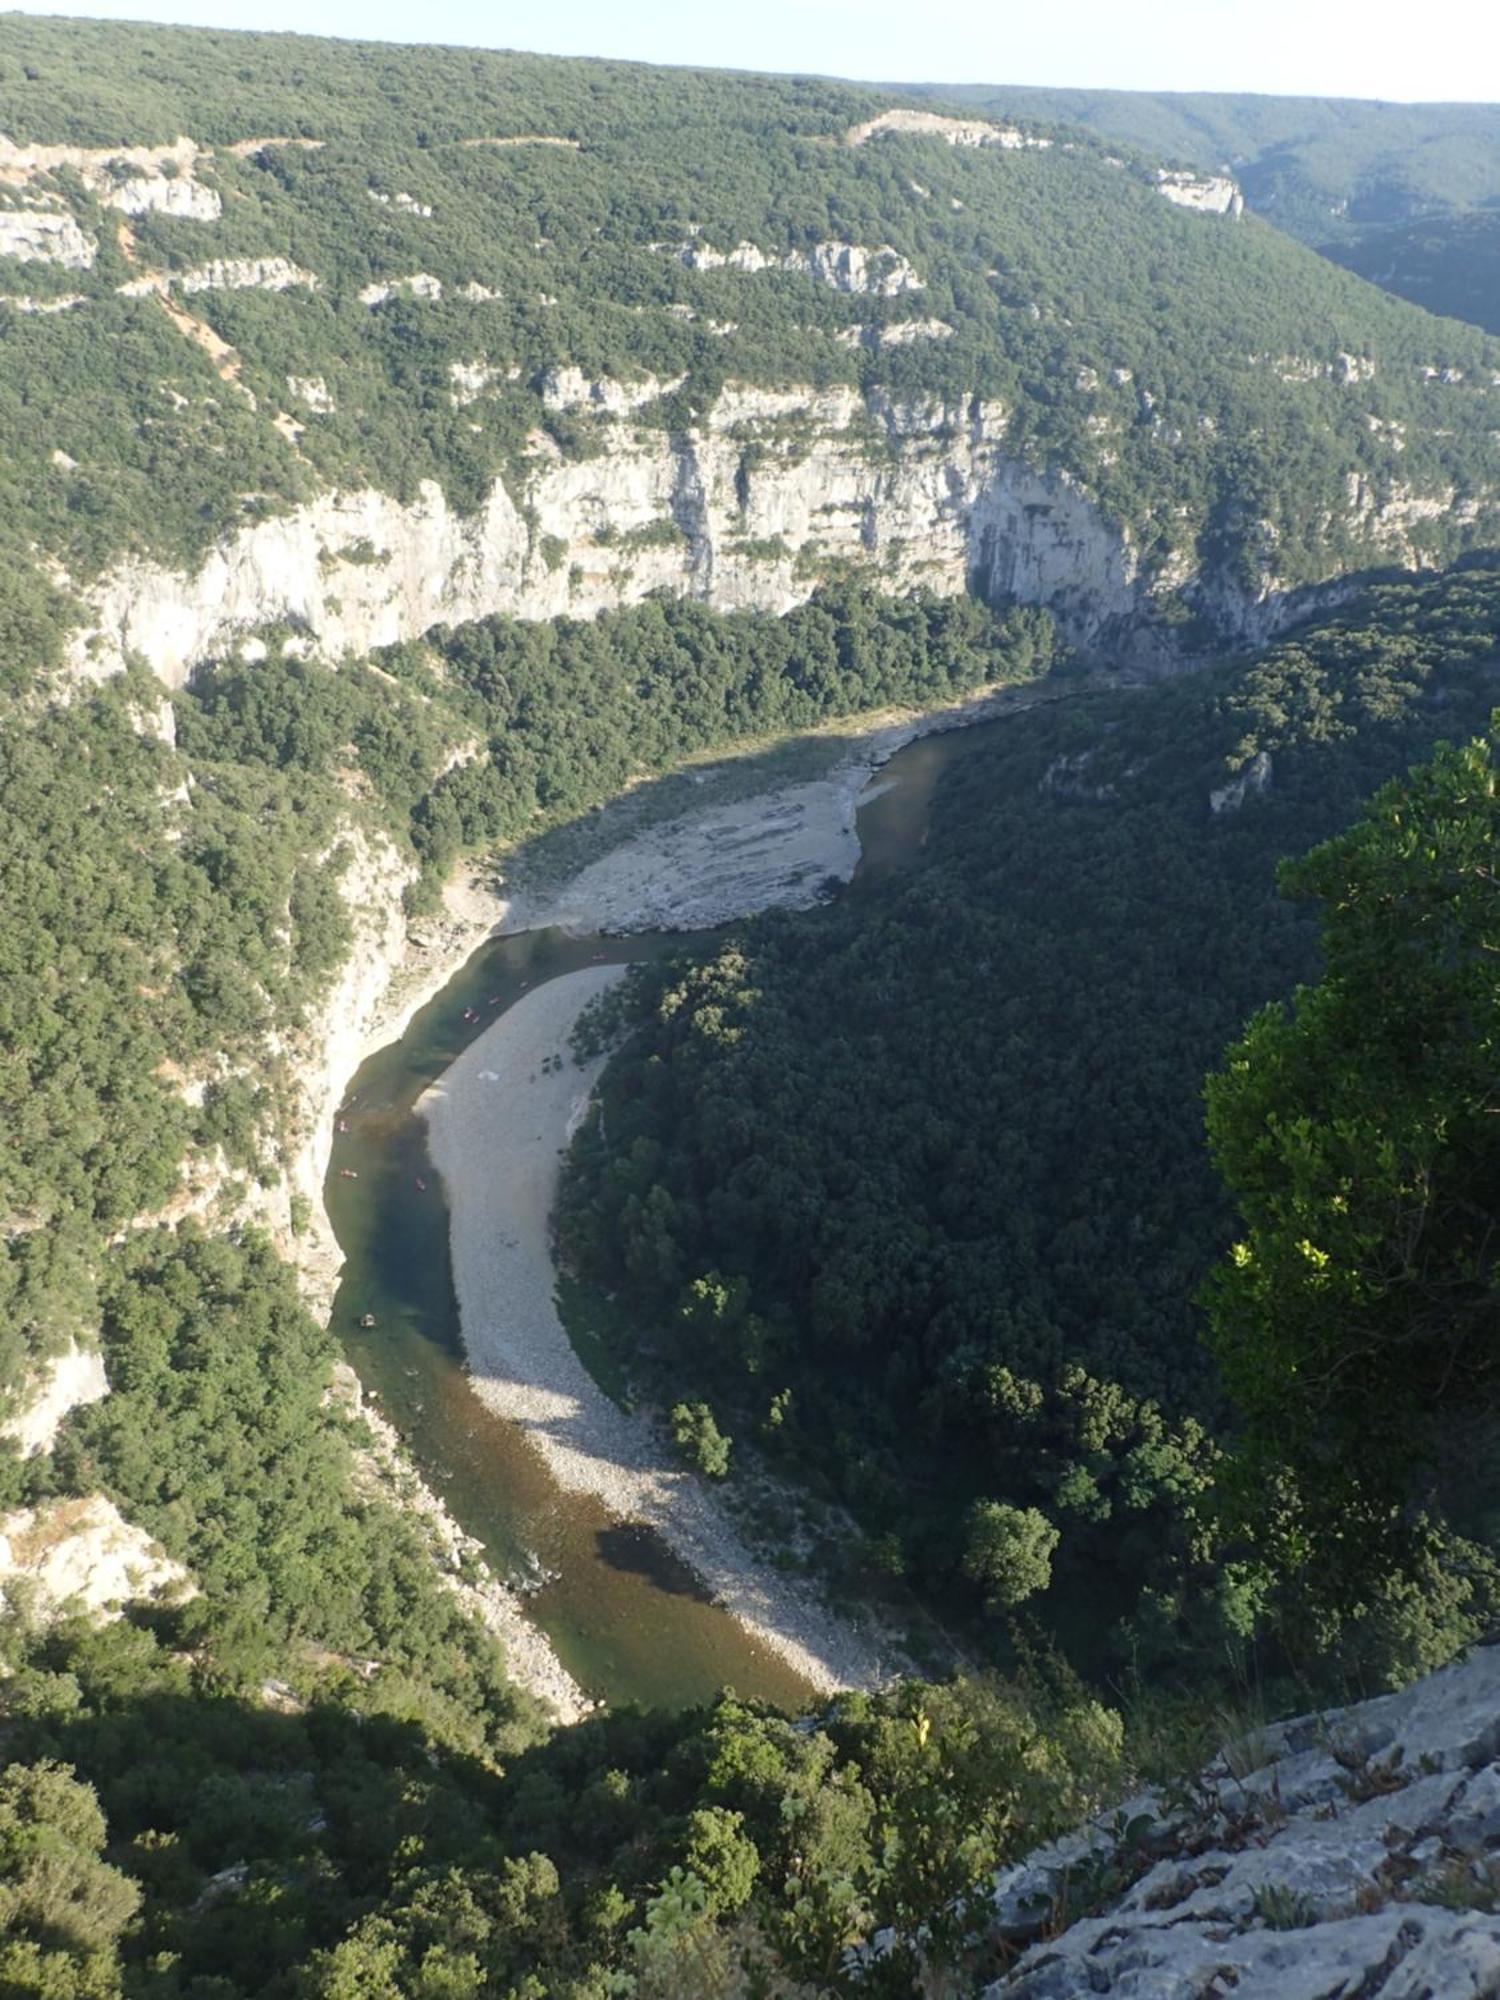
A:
(69, 1381)
(769, 492)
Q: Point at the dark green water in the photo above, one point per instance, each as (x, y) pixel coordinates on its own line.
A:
(625, 1616)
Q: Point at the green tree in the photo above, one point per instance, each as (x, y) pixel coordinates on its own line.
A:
(62, 1907)
(700, 1438)
(1360, 1132)
(1009, 1551)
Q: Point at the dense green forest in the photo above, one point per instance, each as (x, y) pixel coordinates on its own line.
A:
(912, 1190)
(1183, 369)
(306, 1757)
(1402, 193)
(1450, 264)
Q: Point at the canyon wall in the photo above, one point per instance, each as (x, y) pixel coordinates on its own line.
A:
(772, 492)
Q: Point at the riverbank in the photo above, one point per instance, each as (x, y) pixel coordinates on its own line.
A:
(384, 1471)
(714, 842)
(498, 1121)
(710, 861)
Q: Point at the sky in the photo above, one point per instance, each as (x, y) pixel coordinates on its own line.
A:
(1398, 49)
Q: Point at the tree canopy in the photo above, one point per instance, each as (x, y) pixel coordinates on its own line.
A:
(1359, 1131)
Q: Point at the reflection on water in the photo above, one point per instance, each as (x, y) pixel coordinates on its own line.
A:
(628, 1619)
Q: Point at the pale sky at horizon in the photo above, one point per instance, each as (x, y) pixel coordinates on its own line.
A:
(1320, 48)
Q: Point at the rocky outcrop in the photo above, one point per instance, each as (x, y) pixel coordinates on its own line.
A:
(69, 1381)
(387, 975)
(847, 267)
(953, 131)
(899, 333)
(769, 491)
(313, 393)
(472, 379)
(225, 274)
(131, 179)
(84, 1555)
(188, 200)
(1205, 194)
(68, 302)
(1334, 1856)
(1254, 779)
(45, 236)
(571, 389)
(416, 285)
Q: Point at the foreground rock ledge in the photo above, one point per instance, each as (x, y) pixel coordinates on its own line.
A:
(1334, 1856)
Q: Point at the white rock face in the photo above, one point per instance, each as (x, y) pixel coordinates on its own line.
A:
(933, 125)
(847, 267)
(58, 305)
(313, 393)
(771, 486)
(83, 1553)
(73, 1379)
(571, 389)
(187, 199)
(1316, 1868)
(224, 274)
(245, 274)
(1387, 512)
(471, 380)
(134, 180)
(1249, 783)
(419, 285)
(45, 236)
(1207, 194)
(900, 333)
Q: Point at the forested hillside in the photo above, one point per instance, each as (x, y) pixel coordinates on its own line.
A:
(913, 1191)
(1402, 193)
(240, 271)
(978, 1106)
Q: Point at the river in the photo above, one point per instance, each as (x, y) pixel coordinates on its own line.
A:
(625, 1616)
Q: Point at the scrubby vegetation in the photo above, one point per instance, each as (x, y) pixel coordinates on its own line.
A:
(311, 1781)
(1401, 193)
(327, 1849)
(168, 907)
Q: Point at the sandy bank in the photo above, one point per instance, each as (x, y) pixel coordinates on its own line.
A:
(775, 849)
(498, 1121)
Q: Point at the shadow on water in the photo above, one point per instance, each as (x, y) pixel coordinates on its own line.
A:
(635, 1551)
(626, 1616)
